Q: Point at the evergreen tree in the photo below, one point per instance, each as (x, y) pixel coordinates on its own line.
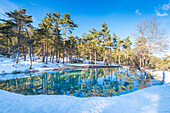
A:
(94, 36)
(119, 46)
(17, 17)
(126, 46)
(46, 25)
(56, 20)
(27, 23)
(68, 24)
(105, 36)
(6, 28)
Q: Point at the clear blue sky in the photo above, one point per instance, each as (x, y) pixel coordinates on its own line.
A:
(120, 15)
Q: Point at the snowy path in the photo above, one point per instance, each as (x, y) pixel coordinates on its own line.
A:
(154, 99)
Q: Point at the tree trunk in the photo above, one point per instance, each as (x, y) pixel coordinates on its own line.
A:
(126, 57)
(44, 52)
(95, 57)
(104, 56)
(77, 55)
(59, 53)
(140, 61)
(149, 57)
(33, 57)
(47, 48)
(57, 47)
(64, 42)
(79, 52)
(119, 55)
(143, 61)
(71, 53)
(50, 55)
(115, 57)
(109, 56)
(7, 45)
(25, 50)
(30, 48)
(119, 59)
(108, 61)
(18, 48)
(83, 53)
(9, 52)
(53, 56)
(90, 57)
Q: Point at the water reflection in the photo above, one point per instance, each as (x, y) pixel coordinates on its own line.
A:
(86, 83)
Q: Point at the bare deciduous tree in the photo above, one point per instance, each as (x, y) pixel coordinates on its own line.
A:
(150, 39)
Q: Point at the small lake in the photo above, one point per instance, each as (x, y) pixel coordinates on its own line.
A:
(81, 83)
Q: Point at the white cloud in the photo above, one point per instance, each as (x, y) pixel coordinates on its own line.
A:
(137, 12)
(166, 6)
(33, 4)
(162, 10)
(6, 6)
(158, 13)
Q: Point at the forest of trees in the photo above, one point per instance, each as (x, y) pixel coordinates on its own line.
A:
(54, 42)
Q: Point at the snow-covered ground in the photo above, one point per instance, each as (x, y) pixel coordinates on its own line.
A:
(8, 65)
(154, 99)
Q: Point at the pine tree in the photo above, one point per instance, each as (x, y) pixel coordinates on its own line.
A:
(72, 41)
(119, 46)
(6, 28)
(46, 26)
(68, 24)
(56, 20)
(126, 46)
(27, 23)
(17, 17)
(105, 36)
(94, 36)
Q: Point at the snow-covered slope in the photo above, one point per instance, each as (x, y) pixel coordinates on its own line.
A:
(154, 99)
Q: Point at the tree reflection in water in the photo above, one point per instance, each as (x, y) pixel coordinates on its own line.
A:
(85, 83)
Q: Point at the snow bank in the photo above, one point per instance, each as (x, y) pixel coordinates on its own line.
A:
(159, 75)
(154, 99)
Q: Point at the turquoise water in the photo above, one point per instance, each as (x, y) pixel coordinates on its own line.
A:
(81, 83)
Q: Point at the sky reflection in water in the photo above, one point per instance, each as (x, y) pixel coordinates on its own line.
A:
(85, 83)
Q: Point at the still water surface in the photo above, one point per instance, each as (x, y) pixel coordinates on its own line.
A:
(81, 83)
